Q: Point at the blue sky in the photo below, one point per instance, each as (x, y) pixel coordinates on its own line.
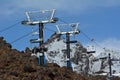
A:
(99, 19)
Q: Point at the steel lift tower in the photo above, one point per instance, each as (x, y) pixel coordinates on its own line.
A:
(110, 65)
(68, 30)
(40, 18)
(110, 60)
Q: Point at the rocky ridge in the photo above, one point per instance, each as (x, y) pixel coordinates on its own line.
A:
(16, 65)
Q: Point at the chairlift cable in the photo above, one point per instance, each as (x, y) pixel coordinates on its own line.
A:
(63, 21)
(9, 27)
(91, 39)
(84, 35)
(22, 37)
(50, 29)
(54, 31)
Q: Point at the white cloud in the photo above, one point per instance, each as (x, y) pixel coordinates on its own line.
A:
(111, 44)
(63, 5)
(68, 4)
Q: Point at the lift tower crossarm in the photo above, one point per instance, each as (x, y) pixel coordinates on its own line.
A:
(40, 18)
(68, 30)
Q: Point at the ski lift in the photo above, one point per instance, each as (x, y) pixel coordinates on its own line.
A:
(68, 30)
(90, 49)
(35, 33)
(35, 40)
(42, 16)
(71, 28)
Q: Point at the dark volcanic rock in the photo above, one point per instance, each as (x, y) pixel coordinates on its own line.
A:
(16, 65)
